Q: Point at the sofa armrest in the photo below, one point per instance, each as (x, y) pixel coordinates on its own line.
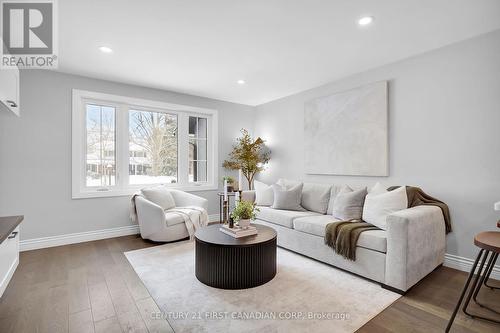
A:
(415, 245)
(150, 216)
(248, 195)
(184, 199)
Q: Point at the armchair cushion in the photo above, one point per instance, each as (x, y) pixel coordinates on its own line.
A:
(160, 196)
(173, 218)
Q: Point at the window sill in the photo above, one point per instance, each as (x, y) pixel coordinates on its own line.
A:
(131, 191)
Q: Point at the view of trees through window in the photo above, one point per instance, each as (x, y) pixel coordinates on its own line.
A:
(152, 147)
(100, 161)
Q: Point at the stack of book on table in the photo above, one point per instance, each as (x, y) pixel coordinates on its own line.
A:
(238, 232)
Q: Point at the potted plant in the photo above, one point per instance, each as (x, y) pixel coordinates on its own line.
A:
(244, 212)
(230, 183)
(249, 156)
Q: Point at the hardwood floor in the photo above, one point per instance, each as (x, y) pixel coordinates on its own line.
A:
(91, 287)
(86, 287)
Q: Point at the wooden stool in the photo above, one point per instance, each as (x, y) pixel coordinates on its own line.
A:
(489, 243)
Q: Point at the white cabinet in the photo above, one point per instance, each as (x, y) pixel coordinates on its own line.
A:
(9, 90)
(9, 258)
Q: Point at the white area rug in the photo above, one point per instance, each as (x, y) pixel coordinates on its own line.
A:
(305, 295)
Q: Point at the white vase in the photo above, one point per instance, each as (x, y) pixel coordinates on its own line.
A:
(244, 223)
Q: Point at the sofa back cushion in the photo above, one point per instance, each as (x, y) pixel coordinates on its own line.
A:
(263, 194)
(160, 196)
(379, 204)
(288, 199)
(348, 204)
(315, 197)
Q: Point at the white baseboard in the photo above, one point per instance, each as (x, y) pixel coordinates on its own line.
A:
(465, 264)
(51, 241)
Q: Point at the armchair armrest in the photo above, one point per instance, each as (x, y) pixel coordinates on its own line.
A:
(150, 216)
(415, 245)
(183, 199)
(248, 195)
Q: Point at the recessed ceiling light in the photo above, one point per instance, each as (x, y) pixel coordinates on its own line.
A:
(105, 49)
(241, 82)
(365, 20)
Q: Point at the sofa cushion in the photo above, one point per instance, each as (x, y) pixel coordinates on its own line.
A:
(315, 197)
(173, 218)
(315, 225)
(281, 217)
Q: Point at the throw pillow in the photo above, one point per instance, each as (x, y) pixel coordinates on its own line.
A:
(377, 189)
(379, 205)
(287, 183)
(333, 194)
(160, 196)
(288, 199)
(263, 194)
(315, 197)
(348, 204)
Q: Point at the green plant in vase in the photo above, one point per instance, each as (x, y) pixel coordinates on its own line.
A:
(244, 212)
(230, 183)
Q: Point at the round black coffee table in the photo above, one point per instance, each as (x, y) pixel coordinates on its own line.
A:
(235, 263)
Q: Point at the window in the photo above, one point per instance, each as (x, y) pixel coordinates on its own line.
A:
(197, 149)
(153, 147)
(100, 138)
(122, 144)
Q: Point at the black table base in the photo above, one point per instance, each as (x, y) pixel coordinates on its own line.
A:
(235, 267)
(482, 277)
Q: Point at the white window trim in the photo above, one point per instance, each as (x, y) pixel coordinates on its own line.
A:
(78, 135)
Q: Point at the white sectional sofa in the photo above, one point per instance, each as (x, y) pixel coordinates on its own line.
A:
(412, 246)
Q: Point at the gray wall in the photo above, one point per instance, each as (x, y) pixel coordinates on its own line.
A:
(444, 132)
(35, 154)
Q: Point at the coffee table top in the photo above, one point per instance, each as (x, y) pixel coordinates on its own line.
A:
(211, 234)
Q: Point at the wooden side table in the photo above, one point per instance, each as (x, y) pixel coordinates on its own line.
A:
(489, 244)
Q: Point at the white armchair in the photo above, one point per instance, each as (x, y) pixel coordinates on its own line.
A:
(161, 225)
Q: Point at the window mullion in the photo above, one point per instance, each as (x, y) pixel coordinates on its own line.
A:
(122, 146)
(183, 149)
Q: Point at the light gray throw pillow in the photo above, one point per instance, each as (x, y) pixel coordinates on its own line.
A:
(288, 199)
(348, 204)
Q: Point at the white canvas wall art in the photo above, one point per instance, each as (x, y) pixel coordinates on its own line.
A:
(347, 133)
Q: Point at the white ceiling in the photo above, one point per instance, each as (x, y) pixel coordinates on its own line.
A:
(278, 47)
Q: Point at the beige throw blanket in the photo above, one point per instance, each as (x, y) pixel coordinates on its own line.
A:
(194, 217)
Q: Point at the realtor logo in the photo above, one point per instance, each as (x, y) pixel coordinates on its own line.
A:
(28, 33)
